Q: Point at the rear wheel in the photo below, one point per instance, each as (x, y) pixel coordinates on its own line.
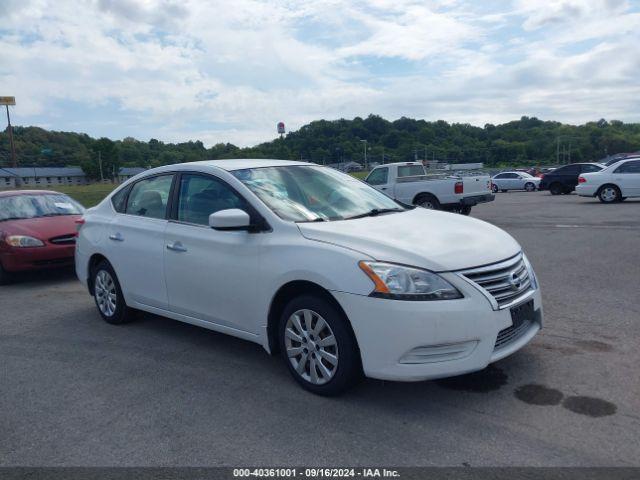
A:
(556, 188)
(529, 187)
(609, 194)
(318, 346)
(465, 210)
(108, 295)
(428, 201)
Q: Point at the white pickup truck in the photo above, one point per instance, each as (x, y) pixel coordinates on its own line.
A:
(410, 184)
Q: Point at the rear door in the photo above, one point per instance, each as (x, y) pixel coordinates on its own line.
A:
(627, 176)
(135, 241)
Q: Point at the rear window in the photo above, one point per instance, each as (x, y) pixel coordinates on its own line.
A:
(410, 170)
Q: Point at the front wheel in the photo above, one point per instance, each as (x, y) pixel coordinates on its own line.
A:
(108, 295)
(609, 194)
(318, 346)
(5, 277)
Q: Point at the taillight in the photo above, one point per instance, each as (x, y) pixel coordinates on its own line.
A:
(458, 188)
(79, 224)
(582, 180)
(541, 176)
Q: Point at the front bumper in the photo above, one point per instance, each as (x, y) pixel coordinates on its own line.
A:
(413, 341)
(37, 258)
(476, 199)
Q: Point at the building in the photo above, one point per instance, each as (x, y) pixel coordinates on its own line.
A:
(54, 176)
(126, 173)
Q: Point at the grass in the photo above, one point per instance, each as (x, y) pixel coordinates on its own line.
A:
(87, 195)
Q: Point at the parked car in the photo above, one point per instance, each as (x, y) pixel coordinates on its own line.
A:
(505, 181)
(37, 230)
(410, 184)
(312, 263)
(622, 156)
(612, 184)
(564, 179)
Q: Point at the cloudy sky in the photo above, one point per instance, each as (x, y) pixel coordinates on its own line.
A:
(223, 71)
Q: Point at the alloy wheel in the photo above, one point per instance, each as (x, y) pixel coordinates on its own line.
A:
(311, 346)
(609, 194)
(105, 291)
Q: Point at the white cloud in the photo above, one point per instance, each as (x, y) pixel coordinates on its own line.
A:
(228, 71)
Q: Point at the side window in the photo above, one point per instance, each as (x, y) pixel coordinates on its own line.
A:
(201, 195)
(590, 168)
(119, 199)
(149, 198)
(378, 177)
(410, 171)
(629, 167)
(568, 170)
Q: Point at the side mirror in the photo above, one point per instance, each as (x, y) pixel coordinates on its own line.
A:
(230, 220)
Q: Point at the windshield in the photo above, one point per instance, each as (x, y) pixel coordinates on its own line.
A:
(307, 193)
(33, 206)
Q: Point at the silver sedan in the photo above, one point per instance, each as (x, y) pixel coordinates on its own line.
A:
(514, 181)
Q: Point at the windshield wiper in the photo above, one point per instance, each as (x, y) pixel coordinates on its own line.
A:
(57, 214)
(319, 219)
(374, 212)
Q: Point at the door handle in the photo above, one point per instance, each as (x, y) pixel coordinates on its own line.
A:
(176, 247)
(383, 188)
(117, 237)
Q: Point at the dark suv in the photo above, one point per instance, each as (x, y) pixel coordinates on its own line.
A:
(565, 179)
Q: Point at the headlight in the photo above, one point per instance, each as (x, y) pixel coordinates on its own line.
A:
(23, 241)
(532, 274)
(398, 282)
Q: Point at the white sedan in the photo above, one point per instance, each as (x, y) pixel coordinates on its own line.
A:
(612, 184)
(312, 263)
(514, 181)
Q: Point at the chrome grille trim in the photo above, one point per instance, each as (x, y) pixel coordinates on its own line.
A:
(63, 240)
(507, 282)
(511, 334)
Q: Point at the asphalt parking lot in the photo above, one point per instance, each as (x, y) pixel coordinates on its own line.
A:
(77, 391)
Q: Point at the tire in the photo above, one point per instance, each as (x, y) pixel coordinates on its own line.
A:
(494, 188)
(529, 187)
(622, 199)
(556, 188)
(5, 277)
(299, 330)
(609, 194)
(427, 200)
(466, 210)
(108, 295)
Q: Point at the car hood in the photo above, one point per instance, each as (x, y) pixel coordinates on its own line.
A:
(435, 240)
(42, 228)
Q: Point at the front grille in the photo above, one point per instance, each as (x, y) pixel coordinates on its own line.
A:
(511, 334)
(506, 281)
(64, 240)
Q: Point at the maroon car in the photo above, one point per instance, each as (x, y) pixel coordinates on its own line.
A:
(37, 230)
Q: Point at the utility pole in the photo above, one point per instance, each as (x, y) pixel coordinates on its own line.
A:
(6, 101)
(558, 151)
(366, 164)
(100, 165)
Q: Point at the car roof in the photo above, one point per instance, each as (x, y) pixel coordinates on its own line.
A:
(242, 163)
(12, 193)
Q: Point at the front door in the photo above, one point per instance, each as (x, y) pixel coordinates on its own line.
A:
(211, 275)
(627, 176)
(379, 179)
